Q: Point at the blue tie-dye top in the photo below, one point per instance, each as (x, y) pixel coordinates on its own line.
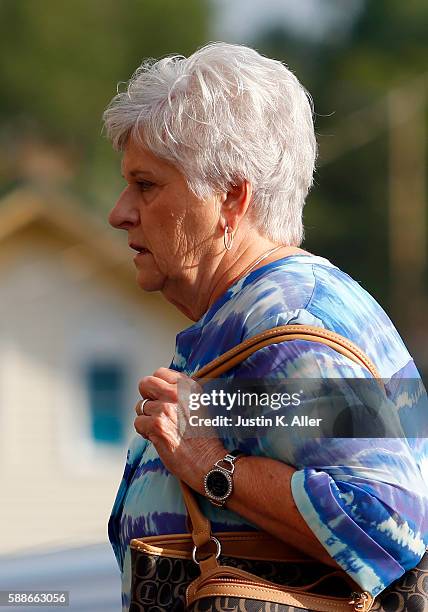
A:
(366, 500)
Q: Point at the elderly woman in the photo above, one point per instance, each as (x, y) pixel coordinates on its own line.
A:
(218, 157)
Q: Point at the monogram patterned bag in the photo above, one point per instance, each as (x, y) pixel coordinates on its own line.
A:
(253, 571)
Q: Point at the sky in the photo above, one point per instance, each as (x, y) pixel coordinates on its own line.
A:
(242, 20)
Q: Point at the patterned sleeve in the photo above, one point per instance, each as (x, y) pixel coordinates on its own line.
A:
(364, 498)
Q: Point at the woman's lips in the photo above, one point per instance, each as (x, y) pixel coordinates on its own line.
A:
(140, 249)
(142, 253)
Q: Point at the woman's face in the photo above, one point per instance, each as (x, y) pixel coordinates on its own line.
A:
(173, 229)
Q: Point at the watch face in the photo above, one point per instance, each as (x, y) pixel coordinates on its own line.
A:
(218, 484)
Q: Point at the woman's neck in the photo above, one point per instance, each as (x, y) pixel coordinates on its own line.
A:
(272, 254)
(210, 284)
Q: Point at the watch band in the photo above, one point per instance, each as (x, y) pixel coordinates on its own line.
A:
(221, 476)
(230, 458)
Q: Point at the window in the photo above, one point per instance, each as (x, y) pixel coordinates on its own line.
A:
(106, 390)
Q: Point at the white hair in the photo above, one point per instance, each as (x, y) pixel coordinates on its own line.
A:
(223, 115)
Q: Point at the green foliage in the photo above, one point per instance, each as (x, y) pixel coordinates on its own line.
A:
(64, 58)
(346, 217)
(61, 62)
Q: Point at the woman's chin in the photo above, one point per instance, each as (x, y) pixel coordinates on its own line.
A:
(149, 281)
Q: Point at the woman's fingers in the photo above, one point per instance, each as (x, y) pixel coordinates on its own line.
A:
(164, 420)
(141, 426)
(157, 388)
(168, 375)
(154, 408)
(159, 425)
(168, 386)
(166, 401)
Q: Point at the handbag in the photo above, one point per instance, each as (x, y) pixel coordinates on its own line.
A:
(252, 571)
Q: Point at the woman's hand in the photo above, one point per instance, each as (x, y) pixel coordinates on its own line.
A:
(261, 486)
(188, 458)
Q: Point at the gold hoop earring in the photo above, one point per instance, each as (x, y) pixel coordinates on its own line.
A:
(227, 238)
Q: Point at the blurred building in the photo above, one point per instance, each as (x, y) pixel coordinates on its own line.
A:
(76, 335)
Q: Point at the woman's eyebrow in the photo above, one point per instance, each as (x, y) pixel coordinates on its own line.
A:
(137, 171)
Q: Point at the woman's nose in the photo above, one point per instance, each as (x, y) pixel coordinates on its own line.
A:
(124, 214)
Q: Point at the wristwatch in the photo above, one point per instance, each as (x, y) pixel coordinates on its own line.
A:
(218, 482)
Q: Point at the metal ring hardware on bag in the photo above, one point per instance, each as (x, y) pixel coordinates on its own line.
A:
(218, 550)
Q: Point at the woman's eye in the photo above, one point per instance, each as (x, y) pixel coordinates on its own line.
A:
(144, 185)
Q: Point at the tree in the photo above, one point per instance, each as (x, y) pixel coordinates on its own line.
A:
(349, 77)
(61, 63)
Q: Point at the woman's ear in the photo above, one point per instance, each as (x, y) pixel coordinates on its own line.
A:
(234, 204)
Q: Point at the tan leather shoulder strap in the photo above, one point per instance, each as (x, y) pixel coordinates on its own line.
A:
(285, 333)
(200, 526)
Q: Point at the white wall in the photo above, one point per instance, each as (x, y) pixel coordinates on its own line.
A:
(57, 485)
